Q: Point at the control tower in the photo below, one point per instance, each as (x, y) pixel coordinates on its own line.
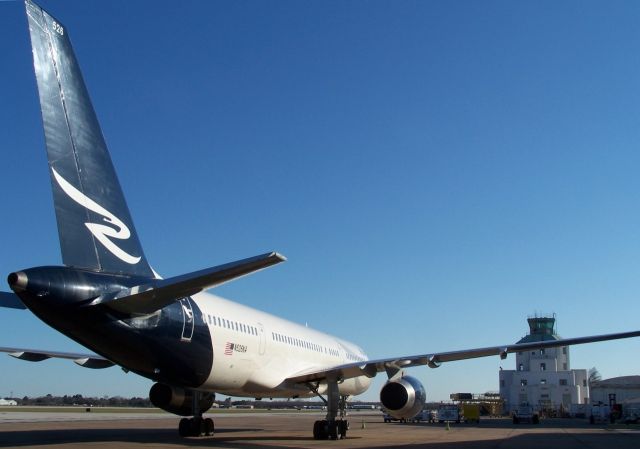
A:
(543, 378)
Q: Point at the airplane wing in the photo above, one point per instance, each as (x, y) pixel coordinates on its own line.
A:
(393, 365)
(36, 355)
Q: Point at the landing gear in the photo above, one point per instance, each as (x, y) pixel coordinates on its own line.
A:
(331, 428)
(196, 426)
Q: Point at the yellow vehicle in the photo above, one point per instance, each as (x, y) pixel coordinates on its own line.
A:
(471, 413)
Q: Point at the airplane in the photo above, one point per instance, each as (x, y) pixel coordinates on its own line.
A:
(191, 343)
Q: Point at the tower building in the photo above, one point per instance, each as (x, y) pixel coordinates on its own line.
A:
(543, 378)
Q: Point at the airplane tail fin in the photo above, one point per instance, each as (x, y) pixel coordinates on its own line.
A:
(94, 224)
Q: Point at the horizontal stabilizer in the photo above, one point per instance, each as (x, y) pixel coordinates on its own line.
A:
(148, 298)
(11, 301)
(36, 355)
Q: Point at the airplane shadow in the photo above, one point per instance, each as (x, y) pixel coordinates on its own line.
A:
(116, 436)
(572, 436)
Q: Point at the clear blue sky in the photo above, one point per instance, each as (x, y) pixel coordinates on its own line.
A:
(435, 172)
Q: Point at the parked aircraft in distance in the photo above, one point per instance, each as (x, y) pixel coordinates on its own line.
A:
(192, 344)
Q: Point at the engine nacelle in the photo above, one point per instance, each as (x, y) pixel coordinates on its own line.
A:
(178, 401)
(404, 397)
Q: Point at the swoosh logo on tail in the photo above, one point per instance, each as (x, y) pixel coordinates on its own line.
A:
(101, 232)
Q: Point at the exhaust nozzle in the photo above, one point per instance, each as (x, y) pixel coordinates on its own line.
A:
(18, 281)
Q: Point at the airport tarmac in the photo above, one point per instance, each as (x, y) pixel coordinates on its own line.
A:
(293, 430)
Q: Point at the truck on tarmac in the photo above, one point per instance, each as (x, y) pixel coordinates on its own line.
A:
(450, 413)
(471, 413)
(600, 413)
(525, 413)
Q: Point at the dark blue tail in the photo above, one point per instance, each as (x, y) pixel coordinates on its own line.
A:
(94, 225)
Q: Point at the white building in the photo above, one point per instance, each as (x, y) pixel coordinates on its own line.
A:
(624, 390)
(8, 402)
(543, 378)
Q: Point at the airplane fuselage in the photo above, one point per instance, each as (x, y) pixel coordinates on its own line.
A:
(202, 342)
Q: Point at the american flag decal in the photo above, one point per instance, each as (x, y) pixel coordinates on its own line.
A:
(228, 348)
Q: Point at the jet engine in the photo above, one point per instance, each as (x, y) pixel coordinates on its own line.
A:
(179, 401)
(404, 397)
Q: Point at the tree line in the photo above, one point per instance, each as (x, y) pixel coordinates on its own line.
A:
(84, 401)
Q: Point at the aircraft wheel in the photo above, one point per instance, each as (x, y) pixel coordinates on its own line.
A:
(333, 430)
(209, 427)
(196, 426)
(320, 430)
(184, 427)
(343, 426)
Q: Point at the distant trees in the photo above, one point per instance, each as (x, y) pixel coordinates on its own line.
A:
(594, 376)
(79, 400)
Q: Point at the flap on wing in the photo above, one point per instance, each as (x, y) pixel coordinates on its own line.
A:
(93, 363)
(145, 299)
(36, 355)
(11, 301)
(393, 365)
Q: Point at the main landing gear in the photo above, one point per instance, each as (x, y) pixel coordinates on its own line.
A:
(331, 428)
(196, 426)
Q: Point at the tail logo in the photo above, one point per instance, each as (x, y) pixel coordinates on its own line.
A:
(102, 232)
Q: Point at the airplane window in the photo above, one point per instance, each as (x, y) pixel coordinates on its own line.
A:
(209, 319)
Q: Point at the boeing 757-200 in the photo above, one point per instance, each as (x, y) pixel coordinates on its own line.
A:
(191, 343)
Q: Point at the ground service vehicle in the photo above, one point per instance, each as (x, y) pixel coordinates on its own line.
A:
(471, 413)
(525, 413)
(600, 413)
(449, 413)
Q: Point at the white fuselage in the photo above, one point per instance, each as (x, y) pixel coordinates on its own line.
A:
(254, 352)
